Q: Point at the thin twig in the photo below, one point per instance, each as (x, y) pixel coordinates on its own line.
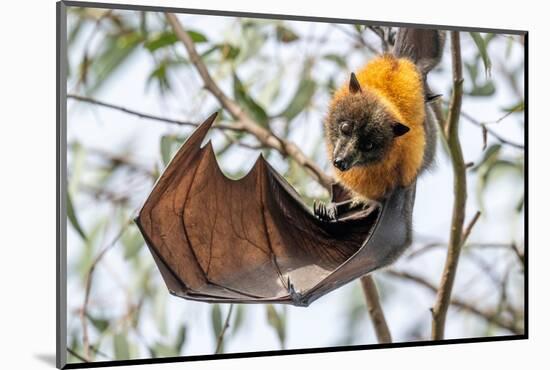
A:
(118, 159)
(379, 31)
(266, 137)
(72, 352)
(358, 37)
(148, 116)
(427, 247)
(376, 313)
(489, 316)
(487, 130)
(460, 193)
(89, 278)
(219, 342)
(468, 229)
(521, 256)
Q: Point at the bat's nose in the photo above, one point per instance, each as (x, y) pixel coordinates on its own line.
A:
(341, 164)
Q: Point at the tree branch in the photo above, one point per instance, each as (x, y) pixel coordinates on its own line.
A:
(88, 288)
(72, 352)
(443, 298)
(492, 132)
(219, 342)
(86, 99)
(265, 136)
(470, 226)
(489, 316)
(375, 309)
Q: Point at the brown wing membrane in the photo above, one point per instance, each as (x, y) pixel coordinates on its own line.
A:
(253, 240)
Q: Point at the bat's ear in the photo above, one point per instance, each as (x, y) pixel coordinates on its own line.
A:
(354, 86)
(399, 129)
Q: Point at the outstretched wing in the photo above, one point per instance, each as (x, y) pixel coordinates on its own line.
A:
(246, 240)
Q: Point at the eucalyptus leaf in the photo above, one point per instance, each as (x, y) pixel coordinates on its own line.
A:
(486, 89)
(338, 59)
(132, 242)
(482, 44)
(116, 50)
(285, 34)
(278, 322)
(250, 106)
(120, 347)
(168, 38)
(216, 319)
(100, 323)
(300, 100)
(180, 339)
(71, 214)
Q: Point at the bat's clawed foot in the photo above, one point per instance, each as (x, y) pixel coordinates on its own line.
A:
(325, 212)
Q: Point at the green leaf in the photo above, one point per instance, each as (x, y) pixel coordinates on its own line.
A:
(249, 105)
(115, 51)
(338, 59)
(518, 107)
(166, 149)
(164, 39)
(197, 37)
(75, 31)
(482, 44)
(160, 40)
(227, 50)
(101, 324)
(216, 319)
(489, 170)
(169, 144)
(277, 322)
(159, 311)
(285, 34)
(71, 214)
(160, 74)
(471, 68)
(489, 156)
(487, 89)
(120, 347)
(239, 318)
(300, 100)
(132, 242)
(180, 339)
(163, 350)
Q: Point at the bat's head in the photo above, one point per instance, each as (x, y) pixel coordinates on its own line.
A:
(359, 128)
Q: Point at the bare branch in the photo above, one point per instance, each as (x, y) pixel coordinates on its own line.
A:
(265, 136)
(470, 226)
(460, 193)
(89, 278)
(146, 115)
(521, 256)
(375, 309)
(380, 32)
(487, 130)
(80, 357)
(490, 316)
(358, 37)
(219, 342)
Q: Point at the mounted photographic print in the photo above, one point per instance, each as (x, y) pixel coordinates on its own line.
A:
(238, 184)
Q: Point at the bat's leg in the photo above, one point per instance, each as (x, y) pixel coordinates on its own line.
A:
(325, 212)
(296, 297)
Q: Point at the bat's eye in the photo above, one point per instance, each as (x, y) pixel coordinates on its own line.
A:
(346, 128)
(368, 146)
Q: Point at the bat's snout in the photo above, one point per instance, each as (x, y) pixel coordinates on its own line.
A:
(342, 164)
